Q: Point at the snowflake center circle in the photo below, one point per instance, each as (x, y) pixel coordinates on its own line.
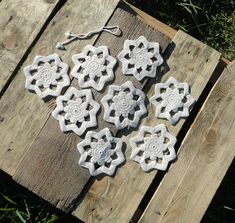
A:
(94, 66)
(101, 151)
(76, 111)
(124, 104)
(173, 100)
(141, 57)
(47, 75)
(154, 146)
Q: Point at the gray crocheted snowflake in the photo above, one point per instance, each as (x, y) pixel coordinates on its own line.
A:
(124, 105)
(93, 67)
(140, 58)
(47, 76)
(172, 100)
(76, 111)
(153, 148)
(101, 152)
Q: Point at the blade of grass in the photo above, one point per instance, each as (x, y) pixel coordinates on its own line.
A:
(7, 209)
(20, 216)
(8, 199)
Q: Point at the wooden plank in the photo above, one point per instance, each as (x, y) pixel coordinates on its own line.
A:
(22, 114)
(20, 22)
(51, 168)
(204, 157)
(116, 199)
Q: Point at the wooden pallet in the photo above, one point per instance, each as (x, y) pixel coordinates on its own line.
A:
(40, 157)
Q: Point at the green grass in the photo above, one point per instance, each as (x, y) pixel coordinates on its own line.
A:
(18, 205)
(211, 21)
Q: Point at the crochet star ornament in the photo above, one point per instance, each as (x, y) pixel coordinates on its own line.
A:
(124, 105)
(93, 67)
(172, 100)
(140, 58)
(47, 76)
(153, 148)
(101, 152)
(76, 111)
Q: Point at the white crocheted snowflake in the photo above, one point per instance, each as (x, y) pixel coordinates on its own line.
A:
(140, 58)
(93, 67)
(172, 100)
(47, 75)
(124, 105)
(101, 152)
(153, 148)
(76, 111)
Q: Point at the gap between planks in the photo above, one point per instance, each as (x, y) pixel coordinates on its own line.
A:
(204, 158)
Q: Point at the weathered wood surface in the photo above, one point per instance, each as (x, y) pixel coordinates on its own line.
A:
(116, 199)
(22, 114)
(20, 22)
(50, 169)
(205, 155)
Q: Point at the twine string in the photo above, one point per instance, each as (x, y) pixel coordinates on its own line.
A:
(114, 30)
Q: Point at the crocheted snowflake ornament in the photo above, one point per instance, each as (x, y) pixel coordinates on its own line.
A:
(153, 148)
(93, 67)
(124, 105)
(101, 152)
(47, 75)
(172, 100)
(140, 58)
(76, 111)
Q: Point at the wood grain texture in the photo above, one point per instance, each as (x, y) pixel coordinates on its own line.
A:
(204, 157)
(51, 168)
(116, 199)
(20, 22)
(22, 114)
